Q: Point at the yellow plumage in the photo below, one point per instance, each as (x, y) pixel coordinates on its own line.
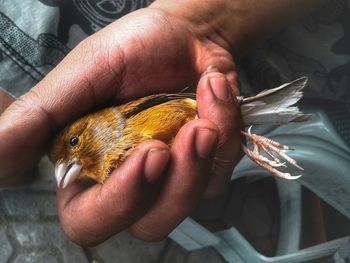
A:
(106, 137)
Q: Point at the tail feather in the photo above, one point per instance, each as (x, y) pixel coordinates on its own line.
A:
(275, 106)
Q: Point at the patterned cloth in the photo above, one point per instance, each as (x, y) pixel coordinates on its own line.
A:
(35, 35)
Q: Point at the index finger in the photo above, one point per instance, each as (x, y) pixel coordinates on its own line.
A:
(90, 216)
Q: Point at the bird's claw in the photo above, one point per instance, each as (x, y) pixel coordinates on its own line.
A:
(271, 148)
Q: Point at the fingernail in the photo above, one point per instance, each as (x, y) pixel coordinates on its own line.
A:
(219, 86)
(156, 161)
(211, 68)
(205, 141)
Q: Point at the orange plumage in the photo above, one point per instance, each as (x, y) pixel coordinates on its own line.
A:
(97, 143)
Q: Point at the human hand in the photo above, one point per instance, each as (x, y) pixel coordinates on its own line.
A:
(151, 196)
(146, 52)
(161, 48)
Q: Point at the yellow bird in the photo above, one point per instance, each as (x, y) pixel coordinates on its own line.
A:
(97, 143)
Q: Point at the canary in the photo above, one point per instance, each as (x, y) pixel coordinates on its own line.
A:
(97, 143)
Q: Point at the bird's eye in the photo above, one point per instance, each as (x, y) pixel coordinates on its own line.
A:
(73, 141)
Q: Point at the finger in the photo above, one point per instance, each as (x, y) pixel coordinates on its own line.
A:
(5, 100)
(230, 73)
(224, 63)
(216, 102)
(90, 216)
(187, 177)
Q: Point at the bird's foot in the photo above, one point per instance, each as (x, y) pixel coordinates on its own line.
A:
(273, 149)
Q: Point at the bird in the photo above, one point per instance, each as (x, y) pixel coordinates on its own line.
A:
(97, 143)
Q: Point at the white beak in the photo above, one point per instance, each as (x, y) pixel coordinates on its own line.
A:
(66, 173)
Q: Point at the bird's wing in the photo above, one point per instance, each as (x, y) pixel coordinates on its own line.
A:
(275, 106)
(134, 107)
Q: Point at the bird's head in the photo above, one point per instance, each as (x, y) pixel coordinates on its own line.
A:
(75, 149)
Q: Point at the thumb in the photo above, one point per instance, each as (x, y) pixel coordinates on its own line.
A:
(220, 60)
(230, 76)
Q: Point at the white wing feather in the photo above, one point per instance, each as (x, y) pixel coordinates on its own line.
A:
(275, 106)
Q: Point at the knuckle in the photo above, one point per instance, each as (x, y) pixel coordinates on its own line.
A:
(205, 123)
(230, 127)
(225, 116)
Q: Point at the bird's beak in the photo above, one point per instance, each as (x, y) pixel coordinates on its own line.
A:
(66, 172)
